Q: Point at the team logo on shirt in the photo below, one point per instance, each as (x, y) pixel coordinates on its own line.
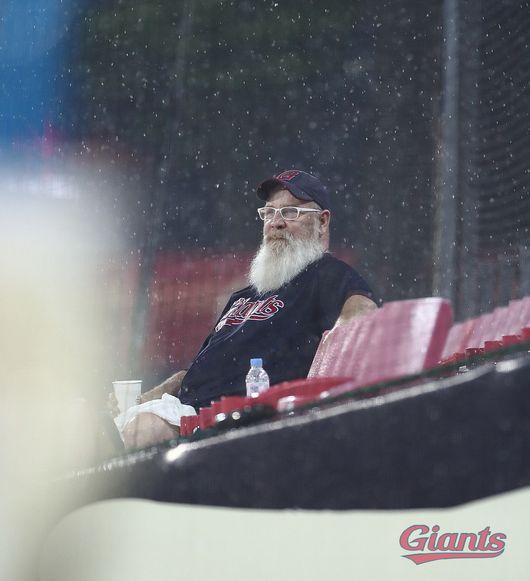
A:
(246, 310)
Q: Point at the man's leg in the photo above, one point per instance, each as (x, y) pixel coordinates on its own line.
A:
(147, 429)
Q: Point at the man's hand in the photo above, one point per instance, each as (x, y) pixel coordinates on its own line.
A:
(170, 385)
(112, 405)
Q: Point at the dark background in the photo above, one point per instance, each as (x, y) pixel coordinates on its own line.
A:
(163, 116)
(202, 100)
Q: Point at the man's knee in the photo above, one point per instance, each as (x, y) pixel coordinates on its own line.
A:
(147, 429)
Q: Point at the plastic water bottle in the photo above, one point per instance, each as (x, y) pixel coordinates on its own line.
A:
(257, 380)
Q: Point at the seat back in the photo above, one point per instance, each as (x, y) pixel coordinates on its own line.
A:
(401, 338)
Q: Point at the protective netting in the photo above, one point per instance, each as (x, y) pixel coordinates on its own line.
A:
(503, 125)
(494, 108)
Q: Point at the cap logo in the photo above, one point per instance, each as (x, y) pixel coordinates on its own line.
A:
(287, 176)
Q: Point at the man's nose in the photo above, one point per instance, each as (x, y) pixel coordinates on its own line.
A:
(277, 221)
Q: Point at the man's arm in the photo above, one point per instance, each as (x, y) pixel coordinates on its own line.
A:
(355, 306)
(170, 385)
(147, 429)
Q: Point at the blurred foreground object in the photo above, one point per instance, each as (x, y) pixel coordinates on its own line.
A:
(51, 367)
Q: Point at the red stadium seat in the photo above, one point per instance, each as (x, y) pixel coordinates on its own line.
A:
(458, 338)
(307, 388)
(188, 424)
(503, 326)
(402, 338)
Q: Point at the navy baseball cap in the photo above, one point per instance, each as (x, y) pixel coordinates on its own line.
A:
(302, 185)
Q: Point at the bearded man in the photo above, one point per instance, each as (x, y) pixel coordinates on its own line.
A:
(297, 291)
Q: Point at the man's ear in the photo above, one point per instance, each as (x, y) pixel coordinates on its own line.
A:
(324, 218)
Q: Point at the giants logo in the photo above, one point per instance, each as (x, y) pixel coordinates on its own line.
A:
(287, 176)
(433, 547)
(244, 309)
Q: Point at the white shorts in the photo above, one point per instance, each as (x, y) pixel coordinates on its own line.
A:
(169, 408)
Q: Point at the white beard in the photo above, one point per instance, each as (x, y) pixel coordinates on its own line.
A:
(279, 260)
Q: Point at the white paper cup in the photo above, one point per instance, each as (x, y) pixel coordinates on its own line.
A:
(126, 392)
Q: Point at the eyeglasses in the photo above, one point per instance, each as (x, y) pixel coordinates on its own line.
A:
(288, 213)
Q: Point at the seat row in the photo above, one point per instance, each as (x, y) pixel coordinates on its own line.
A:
(502, 327)
(401, 338)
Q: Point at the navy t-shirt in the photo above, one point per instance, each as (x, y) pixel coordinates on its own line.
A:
(282, 326)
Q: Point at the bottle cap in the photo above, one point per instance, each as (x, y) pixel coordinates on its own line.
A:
(256, 362)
